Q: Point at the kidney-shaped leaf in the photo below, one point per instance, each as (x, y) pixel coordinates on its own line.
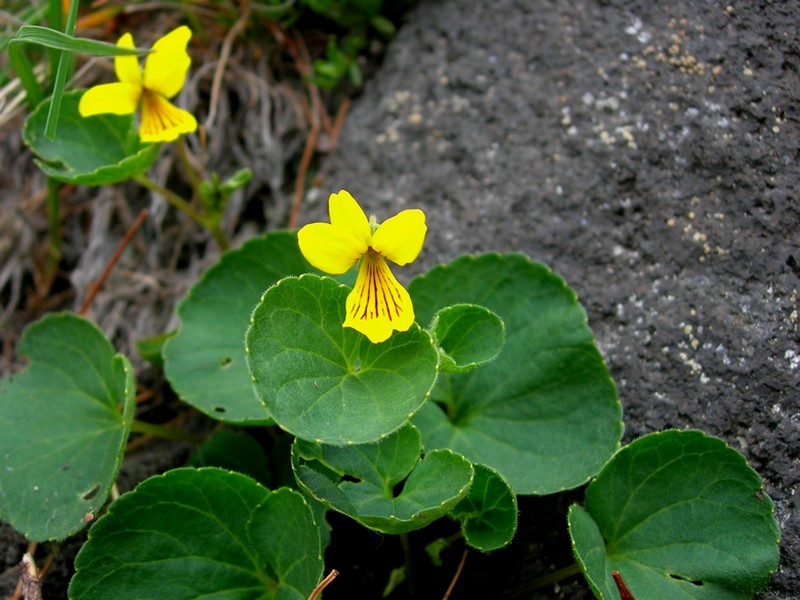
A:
(677, 515)
(95, 150)
(201, 533)
(64, 422)
(545, 412)
(488, 513)
(321, 381)
(467, 336)
(205, 360)
(385, 485)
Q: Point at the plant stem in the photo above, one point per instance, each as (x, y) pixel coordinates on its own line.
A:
(405, 543)
(164, 432)
(219, 237)
(54, 222)
(188, 209)
(555, 577)
(188, 165)
(171, 197)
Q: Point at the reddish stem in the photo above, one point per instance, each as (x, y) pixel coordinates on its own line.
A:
(624, 592)
(456, 576)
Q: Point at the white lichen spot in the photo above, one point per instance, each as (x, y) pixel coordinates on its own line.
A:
(636, 29)
(793, 357)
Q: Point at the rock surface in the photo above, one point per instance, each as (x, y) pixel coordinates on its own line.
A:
(648, 153)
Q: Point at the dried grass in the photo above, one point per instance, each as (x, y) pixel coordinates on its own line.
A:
(257, 123)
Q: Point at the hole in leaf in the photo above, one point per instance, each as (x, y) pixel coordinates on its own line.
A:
(220, 409)
(92, 492)
(686, 579)
(350, 478)
(225, 362)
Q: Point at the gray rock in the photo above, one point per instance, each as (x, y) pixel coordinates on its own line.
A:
(648, 153)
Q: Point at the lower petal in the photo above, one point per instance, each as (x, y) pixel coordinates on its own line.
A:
(378, 304)
(162, 121)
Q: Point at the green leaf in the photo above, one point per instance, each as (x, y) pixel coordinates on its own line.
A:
(96, 150)
(193, 533)
(545, 412)
(205, 360)
(468, 336)
(64, 423)
(679, 515)
(236, 451)
(151, 348)
(362, 480)
(488, 513)
(321, 381)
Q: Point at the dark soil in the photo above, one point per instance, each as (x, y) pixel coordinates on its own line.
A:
(646, 151)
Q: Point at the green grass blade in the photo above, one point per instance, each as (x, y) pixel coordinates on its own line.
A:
(49, 38)
(65, 62)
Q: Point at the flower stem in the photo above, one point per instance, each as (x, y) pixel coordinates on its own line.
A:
(188, 209)
(189, 166)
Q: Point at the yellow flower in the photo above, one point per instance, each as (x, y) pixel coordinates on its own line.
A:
(378, 303)
(162, 78)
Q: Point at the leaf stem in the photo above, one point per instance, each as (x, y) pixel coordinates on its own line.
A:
(555, 576)
(54, 223)
(164, 432)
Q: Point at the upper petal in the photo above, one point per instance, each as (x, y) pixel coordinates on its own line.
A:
(400, 237)
(127, 67)
(162, 121)
(347, 216)
(166, 66)
(118, 98)
(329, 248)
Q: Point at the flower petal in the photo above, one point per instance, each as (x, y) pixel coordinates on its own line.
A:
(400, 238)
(347, 216)
(166, 66)
(118, 98)
(127, 67)
(328, 248)
(378, 303)
(162, 121)
(336, 246)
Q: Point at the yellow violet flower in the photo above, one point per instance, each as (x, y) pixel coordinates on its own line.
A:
(378, 304)
(162, 78)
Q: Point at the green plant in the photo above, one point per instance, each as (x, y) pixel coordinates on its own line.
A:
(433, 422)
(478, 384)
